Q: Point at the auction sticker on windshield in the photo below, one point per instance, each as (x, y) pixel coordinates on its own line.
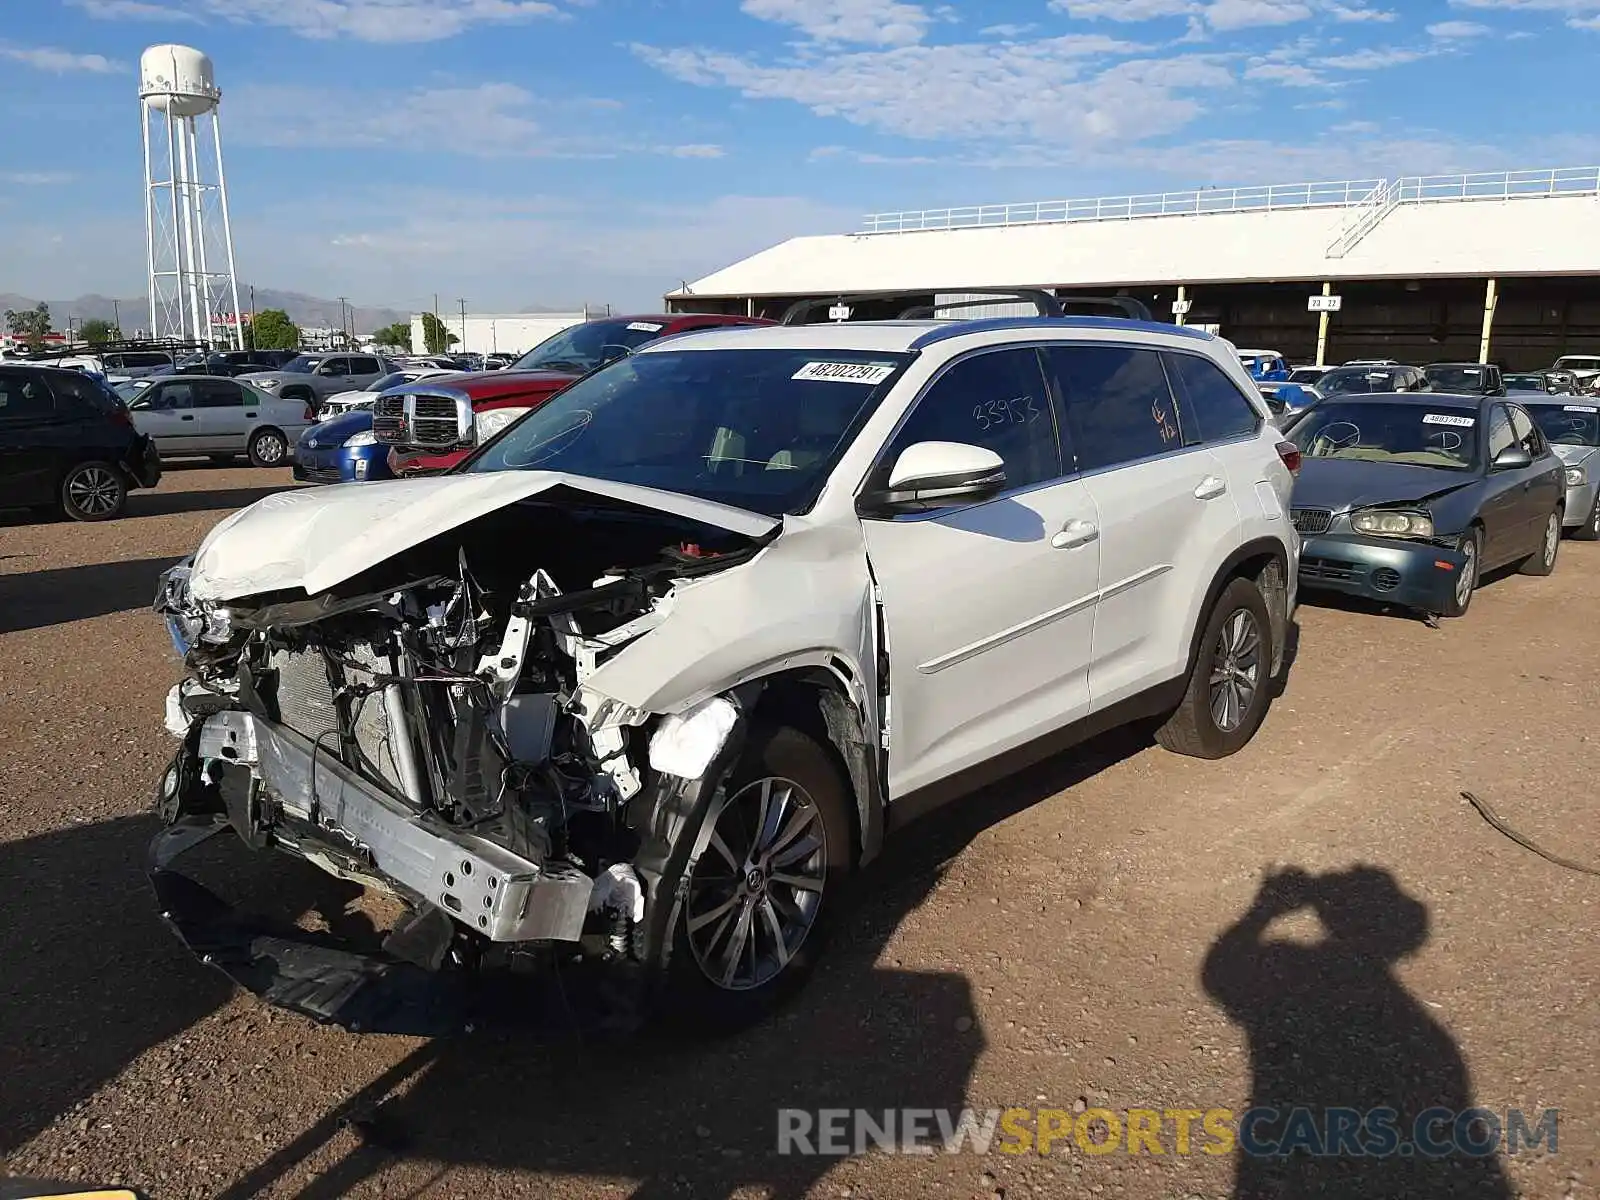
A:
(1448, 419)
(1588, 408)
(645, 327)
(837, 372)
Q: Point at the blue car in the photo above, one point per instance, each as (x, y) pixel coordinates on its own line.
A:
(1265, 366)
(341, 450)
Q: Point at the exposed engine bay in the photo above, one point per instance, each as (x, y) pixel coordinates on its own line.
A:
(424, 727)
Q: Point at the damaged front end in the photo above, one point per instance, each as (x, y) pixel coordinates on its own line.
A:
(426, 728)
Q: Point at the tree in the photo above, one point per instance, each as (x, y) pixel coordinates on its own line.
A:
(30, 324)
(272, 330)
(398, 334)
(435, 336)
(97, 332)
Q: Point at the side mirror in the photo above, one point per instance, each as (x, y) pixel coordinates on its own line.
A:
(938, 474)
(1512, 458)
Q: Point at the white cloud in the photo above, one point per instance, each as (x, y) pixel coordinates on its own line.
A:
(1379, 15)
(869, 22)
(491, 120)
(379, 20)
(1244, 14)
(131, 10)
(1458, 30)
(47, 58)
(1285, 74)
(36, 178)
(1006, 31)
(1124, 10)
(1375, 59)
(1065, 90)
(1586, 23)
(1580, 14)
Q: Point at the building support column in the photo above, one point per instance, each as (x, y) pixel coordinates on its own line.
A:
(1183, 295)
(1491, 299)
(1322, 328)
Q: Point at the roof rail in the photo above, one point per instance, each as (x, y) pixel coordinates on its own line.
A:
(1045, 303)
(122, 345)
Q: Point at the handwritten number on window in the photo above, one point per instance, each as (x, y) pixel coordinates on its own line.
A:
(1020, 410)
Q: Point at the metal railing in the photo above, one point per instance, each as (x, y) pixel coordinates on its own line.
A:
(1364, 218)
(1366, 193)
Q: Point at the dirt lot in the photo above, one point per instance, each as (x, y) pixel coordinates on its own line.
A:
(1054, 942)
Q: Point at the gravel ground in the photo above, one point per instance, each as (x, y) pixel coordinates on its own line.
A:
(1058, 940)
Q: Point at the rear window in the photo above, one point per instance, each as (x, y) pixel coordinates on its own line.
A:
(80, 391)
(141, 358)
(24, 396)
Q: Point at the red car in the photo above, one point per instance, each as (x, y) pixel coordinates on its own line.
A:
(434, 423)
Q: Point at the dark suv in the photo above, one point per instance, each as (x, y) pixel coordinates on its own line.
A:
(67, 443)
(1465, 379)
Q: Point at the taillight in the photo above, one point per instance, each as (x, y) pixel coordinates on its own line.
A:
(310, 413)
(1290, 453)
(122, 416)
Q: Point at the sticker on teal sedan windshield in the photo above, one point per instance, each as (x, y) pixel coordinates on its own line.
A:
(1588, 408)
(1448, 419)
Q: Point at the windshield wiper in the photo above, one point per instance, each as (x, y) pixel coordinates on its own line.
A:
(558, 364)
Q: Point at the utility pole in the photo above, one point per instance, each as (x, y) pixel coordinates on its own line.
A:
(463, 323)
(436, 324)
(116, 318)
(344, 325)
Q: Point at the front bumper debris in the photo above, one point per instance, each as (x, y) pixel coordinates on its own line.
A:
(1580, 504)
(305, 972)
(481, 885)
(1417, 575)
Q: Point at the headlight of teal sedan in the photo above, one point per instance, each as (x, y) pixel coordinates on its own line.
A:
(1388, 523)
(1577, 476)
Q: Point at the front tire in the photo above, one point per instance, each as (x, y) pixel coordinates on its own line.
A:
(268, 448)
(1228, 691)
(1543, 560)
(1467, 582)
(93, 491)
(758, 869)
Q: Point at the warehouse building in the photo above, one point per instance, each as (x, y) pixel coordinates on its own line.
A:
(1503, 267)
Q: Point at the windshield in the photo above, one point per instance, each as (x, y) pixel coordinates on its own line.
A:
(301, 364)
(1568, 424)
(1578, 362)
(1307, 374)
(1352, 380)
(1526, 383)
(131, 388)
(755, 429)
(582, 348)
(388, 381)
(1395, 433)
(1454, 379)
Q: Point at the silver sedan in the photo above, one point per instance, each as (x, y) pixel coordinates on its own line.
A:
(214, 416)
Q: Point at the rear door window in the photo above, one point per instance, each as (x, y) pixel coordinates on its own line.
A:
(365, 366)
(1213, 409)
(217, 393)
(24, 397)
(1120, 407)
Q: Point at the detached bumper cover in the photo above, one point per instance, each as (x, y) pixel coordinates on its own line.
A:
(1580, 504)
(411, 462)
(1415, 574)
(144, 463)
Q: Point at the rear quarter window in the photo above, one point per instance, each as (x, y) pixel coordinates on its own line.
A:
(1214, 410)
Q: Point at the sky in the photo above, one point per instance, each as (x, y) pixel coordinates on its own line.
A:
(550, 152)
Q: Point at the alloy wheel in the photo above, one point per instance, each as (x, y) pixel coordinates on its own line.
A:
(1552, 538)
(94, 491)
(270, 448)
(1235, 670)
(1467, 578)
(756, 888)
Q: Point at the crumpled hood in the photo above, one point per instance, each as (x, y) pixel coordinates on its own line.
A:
(1341, 483)
(1574, 456)
(315, 538)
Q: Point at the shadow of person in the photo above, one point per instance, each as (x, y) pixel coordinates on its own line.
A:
(694, 1116)
(1332, 1028)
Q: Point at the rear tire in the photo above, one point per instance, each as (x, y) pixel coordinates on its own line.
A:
(1471, 571)
(268, 448)
(1230, 686)
(696, 986)
(93, 491)
(1543, 560)
(1589, 531)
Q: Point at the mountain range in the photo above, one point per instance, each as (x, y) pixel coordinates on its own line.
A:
(134, 310)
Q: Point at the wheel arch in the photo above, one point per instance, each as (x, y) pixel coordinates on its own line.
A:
(1265, 562)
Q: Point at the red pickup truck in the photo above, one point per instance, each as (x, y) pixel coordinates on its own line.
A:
(432, 424)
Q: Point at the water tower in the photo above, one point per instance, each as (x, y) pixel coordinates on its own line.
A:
(188, 241)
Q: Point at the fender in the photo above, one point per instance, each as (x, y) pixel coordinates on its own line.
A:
(1277, 609)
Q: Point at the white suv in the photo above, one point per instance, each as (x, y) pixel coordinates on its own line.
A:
(664, 660)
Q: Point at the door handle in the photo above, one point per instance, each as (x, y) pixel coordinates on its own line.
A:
(1210, 487)
(186, 417)
(251, 415)
(1075, 533)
